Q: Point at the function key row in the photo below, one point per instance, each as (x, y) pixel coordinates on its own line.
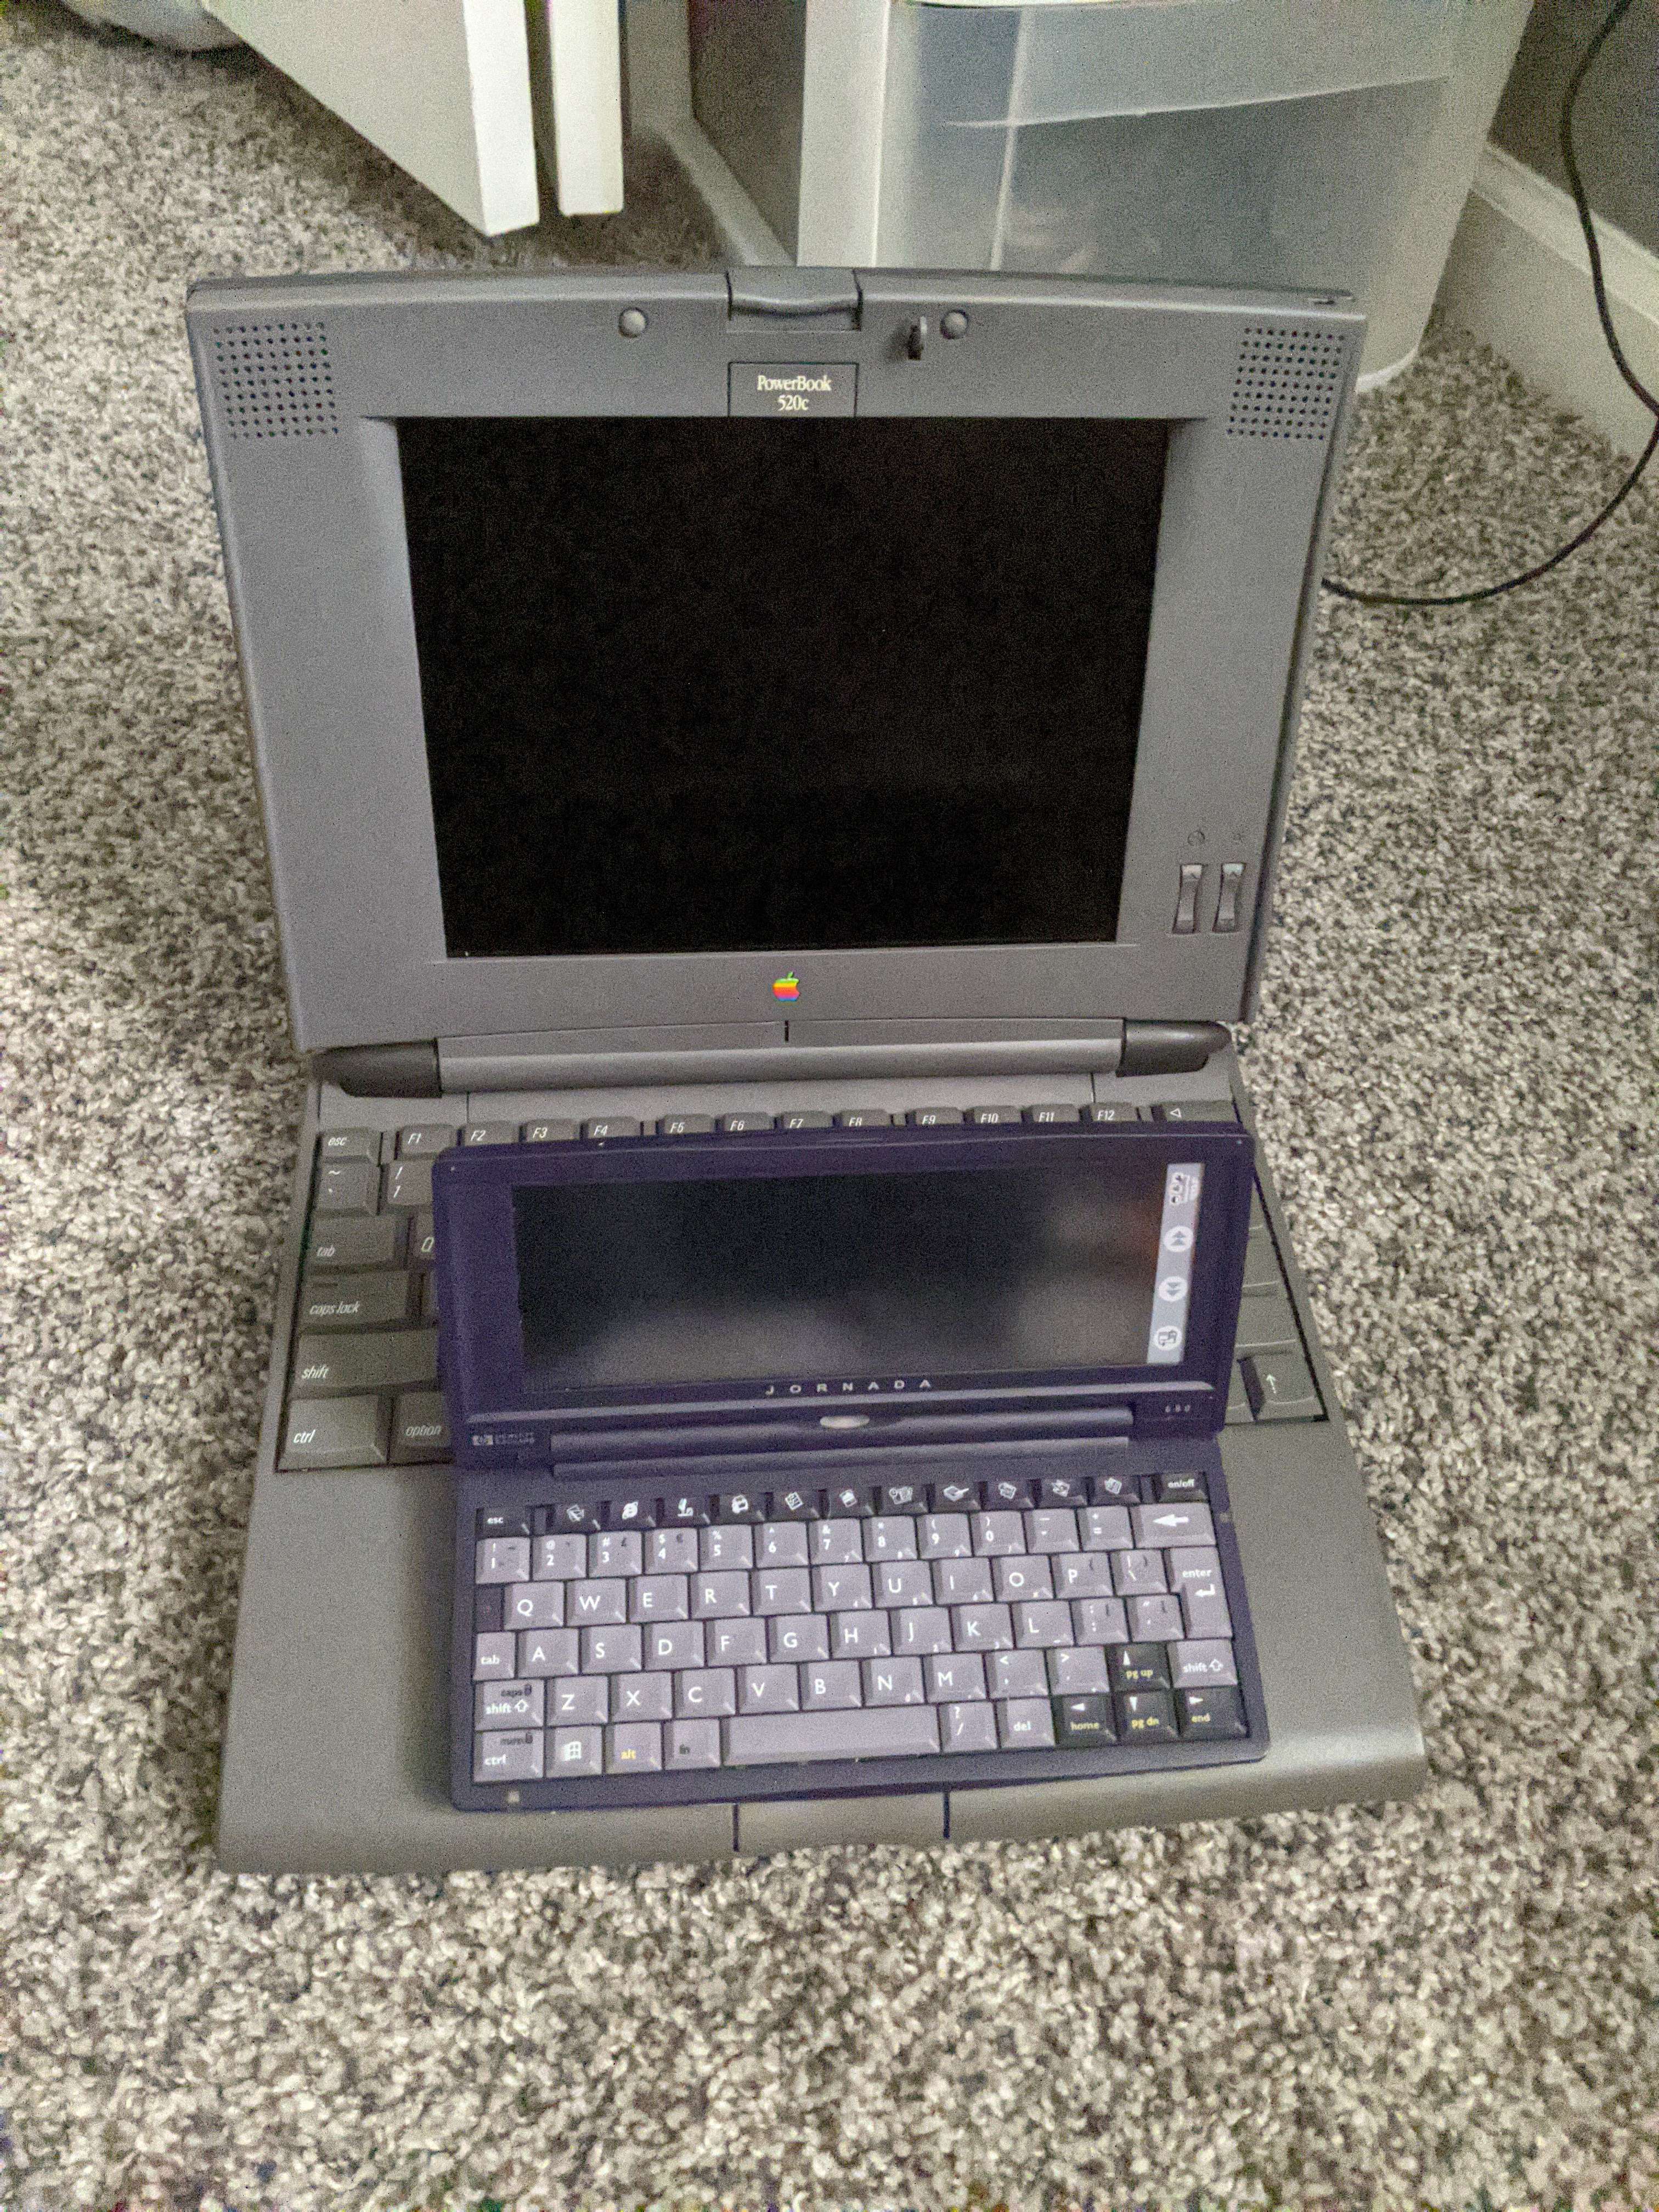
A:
(587, 1514)
(424, 1140)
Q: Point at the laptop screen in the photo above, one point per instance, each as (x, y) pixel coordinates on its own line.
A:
(707, 685)
(1083, 1263)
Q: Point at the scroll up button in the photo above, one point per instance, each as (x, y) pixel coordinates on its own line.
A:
(1186, 915)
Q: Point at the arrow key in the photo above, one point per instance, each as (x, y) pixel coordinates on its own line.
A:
(1180, 1521)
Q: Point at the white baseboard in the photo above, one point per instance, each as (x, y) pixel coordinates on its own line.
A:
(1518, 279)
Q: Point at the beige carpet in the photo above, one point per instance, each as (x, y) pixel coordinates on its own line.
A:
(1453, 2002)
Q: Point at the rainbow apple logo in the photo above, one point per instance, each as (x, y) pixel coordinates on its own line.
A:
(786, 987)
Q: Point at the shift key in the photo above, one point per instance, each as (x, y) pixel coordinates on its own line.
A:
(396, 1359)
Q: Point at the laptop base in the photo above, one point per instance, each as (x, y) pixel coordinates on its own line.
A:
(336, 1744)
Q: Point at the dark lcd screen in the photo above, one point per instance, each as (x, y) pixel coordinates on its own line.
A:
(1008, 1270)
(696, 685)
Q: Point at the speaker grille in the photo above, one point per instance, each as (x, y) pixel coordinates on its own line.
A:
(1288, 383)
(274, 379)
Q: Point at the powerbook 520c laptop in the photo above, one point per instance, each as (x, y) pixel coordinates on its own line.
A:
(691, 706)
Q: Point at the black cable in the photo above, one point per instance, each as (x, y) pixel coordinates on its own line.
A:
(1580, 201)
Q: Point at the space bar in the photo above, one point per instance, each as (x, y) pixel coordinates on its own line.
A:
(881, 1732)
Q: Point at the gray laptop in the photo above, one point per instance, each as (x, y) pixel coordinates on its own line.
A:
(692, 706)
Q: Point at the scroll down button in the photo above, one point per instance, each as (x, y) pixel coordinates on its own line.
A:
(1186, 915)
(1226, 909)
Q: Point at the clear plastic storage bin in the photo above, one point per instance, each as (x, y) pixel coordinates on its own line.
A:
(1263, 143)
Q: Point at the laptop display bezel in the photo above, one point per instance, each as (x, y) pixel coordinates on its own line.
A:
(493, 1420)
(310, 509)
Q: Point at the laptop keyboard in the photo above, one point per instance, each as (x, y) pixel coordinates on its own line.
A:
(362, 1386)
(736, 1642)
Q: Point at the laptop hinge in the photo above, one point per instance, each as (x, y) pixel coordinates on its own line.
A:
(1169, 1048)
(381, 1071)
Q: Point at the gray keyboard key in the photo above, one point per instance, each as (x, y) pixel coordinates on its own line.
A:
(997, 1533)
(1100, 1620)
(617, 1551)
(803, 1117)
(963, 1582)
(893, 1682)
(945, 1536)
(993, 1116)
(641, 1697)
(491, 1133)
(501, 1559)
(375, 1241)
(1037, 1626)
(421, 1244)
(769, 1689)
(351, 1187)
(658, 1597)
(508, 1704)
(1026, 1724)
(349, 1145)
(686, 1125)
(572, 1751)
(1266, 1322)
(611, 1125)
(781, 1589)
(934, 1117)
(534, 1605)
(863, 1117)
(1159, 1526)
(1019, 1674)
(580, 1701)
(1106, 1528)
(559, 1559)
(782, 1544)
(636, 1749)
(859, 1636)
(424, 1140)
(725, 1546)
(508, 1755)
(921, 1630)
(1053, 1113)
(326, 1432)
(354, 1301)
(1155, 1619)
(1194, 1666)
(689, 1745)
(1020, 1580)
(830, 1685)
(982, 1627)
(1084, 1574)
(596, 1605)
(737, 1643)
(332, 1366)
(611, 1651)
(798, 1638)
(1261, 1263)
(1076, 1673)
(709, 1694)
(890, 1537)
(767, 1740)
(905, 1582)
(836, 1543)
(841, 1589)
(408, 1186)
(548, 1651)
(671, 1552)
(1138, 1572)
(1239, 1411)
(495, 1658)
(1197, 1576)
(719, 1597)
(676, 1644)
(420, 1428)
(548, 1133)
(969, 1727)
(1052, 1529)
(1281, 1387)
(961, 1676)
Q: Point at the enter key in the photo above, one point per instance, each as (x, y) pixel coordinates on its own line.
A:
(1196, 1574)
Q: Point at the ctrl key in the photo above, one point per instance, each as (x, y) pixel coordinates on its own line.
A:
(334, 1432)
(508, 1755)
